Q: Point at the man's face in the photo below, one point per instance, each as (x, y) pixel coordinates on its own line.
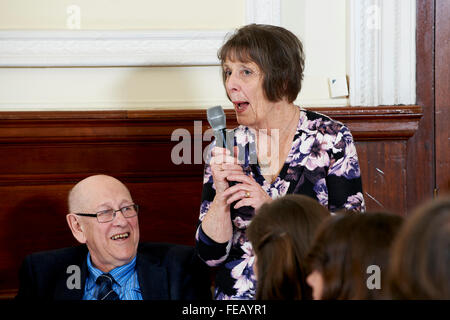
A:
(107, 250)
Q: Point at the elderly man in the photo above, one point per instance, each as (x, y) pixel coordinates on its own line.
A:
(111, 264)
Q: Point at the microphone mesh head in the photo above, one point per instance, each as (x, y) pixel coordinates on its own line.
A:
(216, 118)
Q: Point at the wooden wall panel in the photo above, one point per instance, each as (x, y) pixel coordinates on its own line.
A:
(45, 153)
(32, 217)
(383, 170)
(420, 148)
(442, 69)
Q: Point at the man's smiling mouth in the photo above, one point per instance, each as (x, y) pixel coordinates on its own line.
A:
(119, 236)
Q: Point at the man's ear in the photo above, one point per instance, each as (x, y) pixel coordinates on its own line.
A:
(76, 228)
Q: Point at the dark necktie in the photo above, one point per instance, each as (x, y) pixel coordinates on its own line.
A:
(105, 291)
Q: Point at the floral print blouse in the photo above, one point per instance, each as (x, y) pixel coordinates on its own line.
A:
(322, 164)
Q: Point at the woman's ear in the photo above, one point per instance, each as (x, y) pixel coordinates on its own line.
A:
(76, 227)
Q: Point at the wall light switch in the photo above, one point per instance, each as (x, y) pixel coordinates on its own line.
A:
(338, 87)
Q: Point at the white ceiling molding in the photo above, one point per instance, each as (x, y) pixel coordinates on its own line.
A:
(263, 11)
(76, 48)
(108, 48)
(381, 59)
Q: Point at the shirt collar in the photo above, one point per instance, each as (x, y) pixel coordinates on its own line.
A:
(120, 274)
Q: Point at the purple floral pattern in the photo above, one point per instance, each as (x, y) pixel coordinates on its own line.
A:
(322, 164)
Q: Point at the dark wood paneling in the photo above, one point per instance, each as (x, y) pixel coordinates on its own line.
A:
(442, 69)
(420, 148)
(383, 170)
(45, 153)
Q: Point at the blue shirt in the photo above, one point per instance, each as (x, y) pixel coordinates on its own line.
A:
(126, 283)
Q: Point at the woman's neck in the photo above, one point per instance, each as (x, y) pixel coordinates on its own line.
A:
(279, 121)
(273, 143)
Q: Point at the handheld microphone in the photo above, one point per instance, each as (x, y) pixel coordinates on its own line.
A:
(217, 120)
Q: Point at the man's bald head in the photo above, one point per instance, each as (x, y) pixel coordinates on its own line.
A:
(84, 194)
(111, 243)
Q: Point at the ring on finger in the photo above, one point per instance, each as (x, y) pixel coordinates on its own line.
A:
(247, 194)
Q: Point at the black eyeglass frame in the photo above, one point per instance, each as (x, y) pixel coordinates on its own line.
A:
(95, 215)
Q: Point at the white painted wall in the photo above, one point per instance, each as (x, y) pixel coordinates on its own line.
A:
(123, 14)
(322, 25)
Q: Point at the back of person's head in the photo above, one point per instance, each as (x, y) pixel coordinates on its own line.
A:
(346, 245)
(281, 234)
(420, 261)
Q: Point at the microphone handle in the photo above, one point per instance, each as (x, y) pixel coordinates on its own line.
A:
(222, 139)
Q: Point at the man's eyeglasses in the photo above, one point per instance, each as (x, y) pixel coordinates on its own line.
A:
(109, 215)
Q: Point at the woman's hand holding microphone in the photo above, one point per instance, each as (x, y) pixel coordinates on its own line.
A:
(226, 169)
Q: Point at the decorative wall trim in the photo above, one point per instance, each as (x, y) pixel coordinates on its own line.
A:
(123, 48)
(366, 123)
(148, 104)
(382, 52)
(108, 48)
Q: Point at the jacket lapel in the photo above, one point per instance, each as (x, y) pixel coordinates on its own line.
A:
(62, 291)
(152, 279)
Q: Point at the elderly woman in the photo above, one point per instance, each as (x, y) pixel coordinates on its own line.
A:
(297, 151)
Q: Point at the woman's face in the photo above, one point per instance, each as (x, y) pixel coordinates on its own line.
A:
(315, 281)
(244, 86)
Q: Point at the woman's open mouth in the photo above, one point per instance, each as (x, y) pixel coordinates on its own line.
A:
(240, 106)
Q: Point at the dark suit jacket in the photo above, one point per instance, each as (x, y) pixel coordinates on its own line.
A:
(165, 272)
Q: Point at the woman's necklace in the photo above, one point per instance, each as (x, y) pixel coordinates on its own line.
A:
(265, 159)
